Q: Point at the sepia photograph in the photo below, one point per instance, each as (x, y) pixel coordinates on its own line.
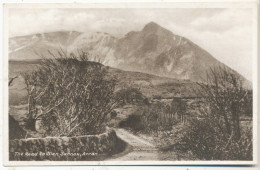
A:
(136, 83)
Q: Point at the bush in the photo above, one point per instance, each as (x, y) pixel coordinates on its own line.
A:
(227, 98)
(15, 130)
(179, 107)
(134, 122)
(72, 95)
(216, 134)
(130, 96)
(208, 142)
(152, 118)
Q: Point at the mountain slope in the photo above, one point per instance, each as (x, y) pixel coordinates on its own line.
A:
(154, 50)
(158, 51)
(150, 85)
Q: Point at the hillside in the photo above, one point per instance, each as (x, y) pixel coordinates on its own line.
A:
(150, 85)
(153, 50)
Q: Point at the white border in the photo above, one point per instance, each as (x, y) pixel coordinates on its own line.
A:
(130, 4)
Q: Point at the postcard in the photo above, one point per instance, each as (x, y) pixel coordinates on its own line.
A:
(127, 83)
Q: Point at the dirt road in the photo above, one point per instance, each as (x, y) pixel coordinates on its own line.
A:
(141, 149)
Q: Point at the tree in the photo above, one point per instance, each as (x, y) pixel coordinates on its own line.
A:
(179, 107)
(72, 95)
(216, 133)
(226, 98)
(129, 96)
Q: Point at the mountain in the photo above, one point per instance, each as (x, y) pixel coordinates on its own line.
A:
(158, 51)
(26, 47)
(154, 50)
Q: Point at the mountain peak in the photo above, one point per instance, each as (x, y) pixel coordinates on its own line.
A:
(154, 28)
(151, 26)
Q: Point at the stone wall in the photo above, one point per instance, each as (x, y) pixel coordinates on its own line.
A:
(89, 147)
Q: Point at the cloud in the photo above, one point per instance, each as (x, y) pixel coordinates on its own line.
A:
(223, 21)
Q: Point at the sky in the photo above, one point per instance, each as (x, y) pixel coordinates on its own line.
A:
(226, 33)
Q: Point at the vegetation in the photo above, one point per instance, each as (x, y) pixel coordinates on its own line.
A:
(15, 131)
(207, 141)
(130, 95)
(71, 95)
(156, 117)
(74, 97)
(217, 134)
(214, 131)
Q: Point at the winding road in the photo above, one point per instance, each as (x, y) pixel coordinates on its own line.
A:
(138, 149)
